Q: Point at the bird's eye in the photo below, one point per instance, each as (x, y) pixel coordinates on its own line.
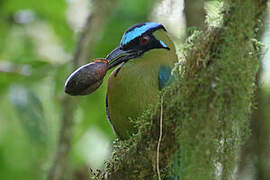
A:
(144, 40)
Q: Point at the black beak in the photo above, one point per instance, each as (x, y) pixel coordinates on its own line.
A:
(117, 56)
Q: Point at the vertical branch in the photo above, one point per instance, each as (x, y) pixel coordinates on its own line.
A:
(94, 24)
(60, 164)
(195, 13)
(254, 151)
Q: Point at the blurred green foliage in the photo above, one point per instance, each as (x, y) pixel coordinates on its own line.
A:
(37, 41)
(29, 112)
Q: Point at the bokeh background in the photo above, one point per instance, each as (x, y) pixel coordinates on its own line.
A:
(38, 41)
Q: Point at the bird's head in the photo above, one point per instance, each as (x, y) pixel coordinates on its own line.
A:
(137, 40)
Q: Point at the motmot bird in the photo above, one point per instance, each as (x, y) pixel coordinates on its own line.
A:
(143, 62)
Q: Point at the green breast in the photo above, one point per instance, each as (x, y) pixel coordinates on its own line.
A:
(134, 88)
(129, 94)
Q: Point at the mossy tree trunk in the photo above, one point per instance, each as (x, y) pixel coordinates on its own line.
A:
(255, 153)
(205, 114)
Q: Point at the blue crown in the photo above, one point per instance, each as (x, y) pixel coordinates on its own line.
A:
(138, 30)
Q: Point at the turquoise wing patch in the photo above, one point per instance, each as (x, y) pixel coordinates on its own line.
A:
(164, 76)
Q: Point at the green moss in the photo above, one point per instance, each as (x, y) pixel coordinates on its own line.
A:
(215, 108)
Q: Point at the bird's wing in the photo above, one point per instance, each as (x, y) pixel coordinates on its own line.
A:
(164, 76)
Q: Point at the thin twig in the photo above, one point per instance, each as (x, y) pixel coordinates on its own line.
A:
(160, 136)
